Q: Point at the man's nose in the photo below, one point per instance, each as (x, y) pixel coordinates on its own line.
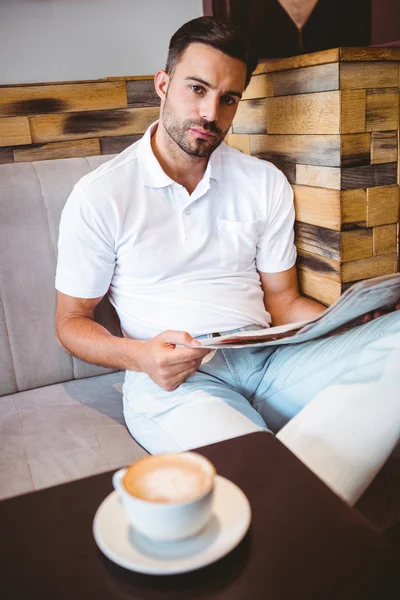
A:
(210, 108)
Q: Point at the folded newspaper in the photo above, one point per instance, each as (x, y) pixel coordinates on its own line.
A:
(363, 297)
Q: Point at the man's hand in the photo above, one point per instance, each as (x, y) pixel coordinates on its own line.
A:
(167, 365)
(378, 313)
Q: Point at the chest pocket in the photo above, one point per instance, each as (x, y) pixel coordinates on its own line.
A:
(238, 244)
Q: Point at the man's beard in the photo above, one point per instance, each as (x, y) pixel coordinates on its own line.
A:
(179, 132)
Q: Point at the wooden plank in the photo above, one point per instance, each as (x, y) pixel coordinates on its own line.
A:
(116, 144)
(382, 205)
(131, 78)
(34, 100)
(317, 206)
(368, 176)
(317, 176)
(385, 239)
(295, 62)
(318, 287)
(305, 149)
(353, 270)
(289, 169)
(250, 117)
(46, 83)
(58, 150)
(304, 114)
(141, 93)
(349, 284)
(368, 54)
(353, 111)
(360, 76)
(369, 267)
(355, 149)
(98, 80)
(357, 244)
(318, 240)
(327, 267)
(14, 131)
(353, 208)
(50, 128)
(383, 147)
(239, 141)
(260, 86)
(321, 78)
(329, 56)
(337, 247)
(382, 109)
(6, 156)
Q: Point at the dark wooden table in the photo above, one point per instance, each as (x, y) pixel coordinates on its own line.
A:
(303, 541)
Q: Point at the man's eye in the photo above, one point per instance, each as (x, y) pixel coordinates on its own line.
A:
(197, 89)
(228, 100)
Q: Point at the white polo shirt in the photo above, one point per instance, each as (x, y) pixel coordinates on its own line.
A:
(170, 260)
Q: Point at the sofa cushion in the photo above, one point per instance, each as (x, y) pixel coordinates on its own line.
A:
(32, 196)
(62, 432)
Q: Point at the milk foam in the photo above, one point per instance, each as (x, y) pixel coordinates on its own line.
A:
(172, 484)
(169, 478)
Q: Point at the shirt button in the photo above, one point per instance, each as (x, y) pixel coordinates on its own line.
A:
(187, 211)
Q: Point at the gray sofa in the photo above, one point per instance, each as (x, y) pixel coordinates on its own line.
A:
(60, 418)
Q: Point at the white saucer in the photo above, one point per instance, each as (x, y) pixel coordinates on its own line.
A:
(128, 548)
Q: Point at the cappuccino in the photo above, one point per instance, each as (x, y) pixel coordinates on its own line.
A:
(170, 478)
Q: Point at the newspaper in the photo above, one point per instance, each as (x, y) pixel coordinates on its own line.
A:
(363, 297)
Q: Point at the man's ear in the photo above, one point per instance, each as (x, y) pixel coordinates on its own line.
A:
(161, 81)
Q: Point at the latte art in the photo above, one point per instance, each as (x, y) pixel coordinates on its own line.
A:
(169, 478)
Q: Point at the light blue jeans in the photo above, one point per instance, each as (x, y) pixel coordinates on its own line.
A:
(251, 389)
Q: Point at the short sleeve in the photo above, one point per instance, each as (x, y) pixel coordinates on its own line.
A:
(276, 251)
(86, 248)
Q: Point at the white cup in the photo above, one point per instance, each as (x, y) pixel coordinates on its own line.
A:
(168, 521)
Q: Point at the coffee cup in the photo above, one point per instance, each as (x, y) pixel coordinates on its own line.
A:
(167, 497)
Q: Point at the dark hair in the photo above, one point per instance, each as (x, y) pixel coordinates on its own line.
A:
(215, 33)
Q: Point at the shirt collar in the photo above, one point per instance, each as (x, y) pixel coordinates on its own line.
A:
(214, 164)
(152, 172)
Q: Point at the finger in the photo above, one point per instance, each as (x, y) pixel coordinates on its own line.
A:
(179, 338)
(183, 355)
(381, 312)
(173, 371)
(177, 381)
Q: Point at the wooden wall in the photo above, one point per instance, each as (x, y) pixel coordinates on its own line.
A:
(330, 121)
(84, 118)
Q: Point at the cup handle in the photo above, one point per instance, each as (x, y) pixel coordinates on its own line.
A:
(117, 480)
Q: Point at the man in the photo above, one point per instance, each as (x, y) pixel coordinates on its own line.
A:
(191, 238)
